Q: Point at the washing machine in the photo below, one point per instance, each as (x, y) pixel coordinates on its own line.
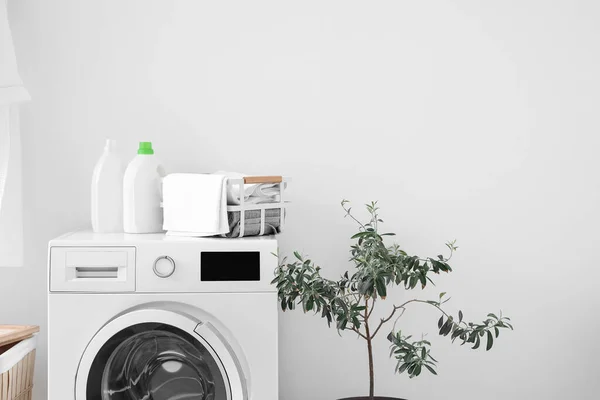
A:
(153, 317)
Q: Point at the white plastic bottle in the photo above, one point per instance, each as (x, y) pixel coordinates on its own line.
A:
(142, 193)
(107, 191)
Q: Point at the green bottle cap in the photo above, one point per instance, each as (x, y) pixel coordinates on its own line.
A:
(145, 148)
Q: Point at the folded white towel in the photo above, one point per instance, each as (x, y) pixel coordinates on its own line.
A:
(195, 204)
(253, 193)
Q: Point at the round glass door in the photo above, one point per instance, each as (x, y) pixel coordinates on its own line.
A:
(155, 361)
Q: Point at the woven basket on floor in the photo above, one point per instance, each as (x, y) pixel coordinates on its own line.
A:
(17, 382)
(17, 361)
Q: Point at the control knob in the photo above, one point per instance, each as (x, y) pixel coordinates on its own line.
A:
(164, 266)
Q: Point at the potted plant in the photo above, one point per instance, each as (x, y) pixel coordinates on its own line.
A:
(349, 301)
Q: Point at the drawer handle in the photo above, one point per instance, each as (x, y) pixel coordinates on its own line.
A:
(93, 272)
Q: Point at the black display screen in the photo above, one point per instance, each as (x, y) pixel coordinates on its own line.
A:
(216, 266)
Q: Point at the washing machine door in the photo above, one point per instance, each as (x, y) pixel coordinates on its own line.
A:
(153, 353)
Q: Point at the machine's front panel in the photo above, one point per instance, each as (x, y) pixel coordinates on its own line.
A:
(75, 318)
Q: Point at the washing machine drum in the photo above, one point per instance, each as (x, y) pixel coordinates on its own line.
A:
(155, 361)
(158, 365)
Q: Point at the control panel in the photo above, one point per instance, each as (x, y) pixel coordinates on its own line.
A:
(156, 263)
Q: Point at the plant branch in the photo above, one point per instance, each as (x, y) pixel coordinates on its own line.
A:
(433, 305)
(372, 307)
(384, 320)
(348, 213)
(397, 318)
(426, 302)
(402, 307)
(359, 333)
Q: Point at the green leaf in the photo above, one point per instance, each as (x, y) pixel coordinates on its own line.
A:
(423, 280)
(430, 369)
(417, 370)
(497, 331)
(360, 234)
(460, 316)
(472, 337)
(457, 333)
(447, 327)
(298, 256)
(441, 322)
(309, 304)
(490, 341)
(413, 281)
(381, 289)
(442, 295)
(477, 343)
(403, 368)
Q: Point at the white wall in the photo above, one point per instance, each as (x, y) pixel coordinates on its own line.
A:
(466, 119)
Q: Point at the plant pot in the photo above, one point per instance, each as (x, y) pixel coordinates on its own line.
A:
(375, 398)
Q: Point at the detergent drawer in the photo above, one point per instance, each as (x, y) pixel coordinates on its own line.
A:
(92, 269)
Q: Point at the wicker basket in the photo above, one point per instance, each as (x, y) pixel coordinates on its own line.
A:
(247, 219)
(16, 367)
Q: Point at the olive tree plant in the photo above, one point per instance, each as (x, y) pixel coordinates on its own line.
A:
(348, 303)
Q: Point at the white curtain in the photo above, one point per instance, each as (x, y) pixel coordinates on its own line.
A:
(4, 148)
(12, 92)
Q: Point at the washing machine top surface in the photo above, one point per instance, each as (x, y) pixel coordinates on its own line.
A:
(89, 237)
(121, 263)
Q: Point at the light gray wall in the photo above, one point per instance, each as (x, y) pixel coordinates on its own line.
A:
(466, 119)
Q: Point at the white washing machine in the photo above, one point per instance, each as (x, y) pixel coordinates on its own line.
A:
(150, 317)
